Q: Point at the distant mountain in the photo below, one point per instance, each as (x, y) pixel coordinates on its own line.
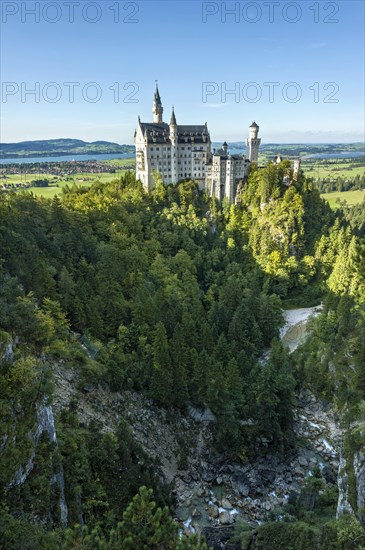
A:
(56, 147)
(292, 150)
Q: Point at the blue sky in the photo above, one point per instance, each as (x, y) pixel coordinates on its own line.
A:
(311, 52)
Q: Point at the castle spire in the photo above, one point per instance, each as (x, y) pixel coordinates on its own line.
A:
(173, 118)
(157, 93)
(157, 106)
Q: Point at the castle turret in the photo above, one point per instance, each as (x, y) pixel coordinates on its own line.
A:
(173, 119)
(225, 147)
(157, 107)
(173, 139)
(296, 167)
(253, 142)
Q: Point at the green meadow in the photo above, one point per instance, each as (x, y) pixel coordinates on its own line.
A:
(57, 183)
(351, 197)
(332, 170)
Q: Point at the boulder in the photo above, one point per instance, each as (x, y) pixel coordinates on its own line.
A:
(329, 475)
(207, 476)
(201, 415)
(226, 504)
(225, 518)
(243, 489)
(200, 492)
(213, 511)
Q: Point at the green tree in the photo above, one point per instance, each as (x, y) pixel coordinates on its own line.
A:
(162, 368)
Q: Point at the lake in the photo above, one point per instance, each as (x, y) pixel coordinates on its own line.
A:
(345, 155)
(342, 155)
(67, 158)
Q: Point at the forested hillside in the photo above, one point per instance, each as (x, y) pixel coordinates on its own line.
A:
(176, 297)
(56, 147)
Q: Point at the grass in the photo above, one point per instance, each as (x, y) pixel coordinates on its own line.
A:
(57, 183)
(351, 198)
(82, 180)
(120, 162)
(52, 191)
(332, 170)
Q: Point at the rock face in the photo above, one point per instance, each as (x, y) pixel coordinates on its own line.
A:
(359, 471)
(6, 349)
(44, 424)
(200, 415)
(343, 505)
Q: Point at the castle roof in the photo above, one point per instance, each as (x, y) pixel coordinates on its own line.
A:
(238, 157)
(224, 156)
(254, 125)
(221, 153)
(160, 132)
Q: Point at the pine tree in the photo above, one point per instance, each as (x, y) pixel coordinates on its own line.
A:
(179, 354)
(162, 369)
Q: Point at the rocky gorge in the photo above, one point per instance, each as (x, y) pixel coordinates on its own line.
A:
(211, 491)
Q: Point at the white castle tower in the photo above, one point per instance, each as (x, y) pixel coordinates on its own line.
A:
(253, 143)
(296, 167)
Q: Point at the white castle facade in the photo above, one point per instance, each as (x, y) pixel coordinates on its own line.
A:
(179, 152)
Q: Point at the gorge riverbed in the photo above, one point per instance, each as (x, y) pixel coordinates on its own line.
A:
(295, 330)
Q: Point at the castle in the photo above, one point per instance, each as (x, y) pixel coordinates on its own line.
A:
(184, 151)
